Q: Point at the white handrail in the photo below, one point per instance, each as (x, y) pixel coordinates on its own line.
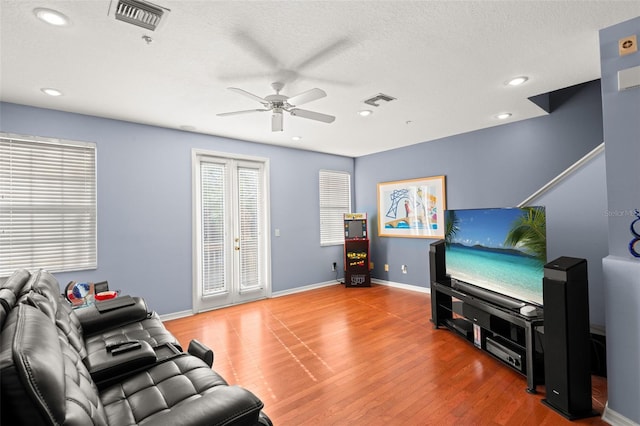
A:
(553, 182)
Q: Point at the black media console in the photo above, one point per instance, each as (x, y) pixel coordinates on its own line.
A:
(494, 326)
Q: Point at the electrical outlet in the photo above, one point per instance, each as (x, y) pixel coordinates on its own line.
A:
(386, 267)
(404, 269)
(333, 266)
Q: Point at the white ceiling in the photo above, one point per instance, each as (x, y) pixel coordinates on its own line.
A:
(446, 62)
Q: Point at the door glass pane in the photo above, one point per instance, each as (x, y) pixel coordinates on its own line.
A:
(213, 226)
(249, 202)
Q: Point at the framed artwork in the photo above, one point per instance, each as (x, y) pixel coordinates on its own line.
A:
(412, 208)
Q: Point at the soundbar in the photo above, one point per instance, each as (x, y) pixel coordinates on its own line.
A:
(488, 295)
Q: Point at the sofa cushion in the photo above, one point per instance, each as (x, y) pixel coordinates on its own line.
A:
(42, 282)
(183, 390)
(44, 380)
(9, 291)
(15, 283)
(64, 320)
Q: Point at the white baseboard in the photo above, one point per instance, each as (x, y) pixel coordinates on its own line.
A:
(614, 418)
(304, 288)
(175, 315)
(402, 286)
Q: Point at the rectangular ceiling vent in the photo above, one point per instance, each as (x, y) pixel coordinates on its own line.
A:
(373, 101)
(140, 13)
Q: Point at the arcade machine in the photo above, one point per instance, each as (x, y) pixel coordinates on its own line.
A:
(356, 251)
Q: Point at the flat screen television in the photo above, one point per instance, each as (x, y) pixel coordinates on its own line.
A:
(500, 250)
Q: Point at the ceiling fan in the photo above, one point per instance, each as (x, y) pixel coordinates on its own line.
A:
(278, 104)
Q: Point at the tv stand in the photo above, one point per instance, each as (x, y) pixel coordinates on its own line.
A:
(502, 332)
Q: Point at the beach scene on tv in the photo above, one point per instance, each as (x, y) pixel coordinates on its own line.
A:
(500, 249)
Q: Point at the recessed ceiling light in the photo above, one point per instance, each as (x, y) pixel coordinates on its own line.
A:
(503, 116)
(52, 17)
(51, 92)
(517, 81)
(296, 138)
(365, 112)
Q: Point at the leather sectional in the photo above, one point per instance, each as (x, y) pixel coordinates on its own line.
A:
(106, 364)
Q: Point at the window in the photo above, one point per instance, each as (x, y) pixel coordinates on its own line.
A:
(47, 204)
(335, 201)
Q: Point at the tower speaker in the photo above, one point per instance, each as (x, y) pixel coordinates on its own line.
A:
(441, 304)
(437, 268)
(567, 348)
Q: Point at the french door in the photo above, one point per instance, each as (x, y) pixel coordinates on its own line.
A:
(231, 257)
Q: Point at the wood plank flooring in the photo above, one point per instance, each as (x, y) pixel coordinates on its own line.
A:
(364, 356)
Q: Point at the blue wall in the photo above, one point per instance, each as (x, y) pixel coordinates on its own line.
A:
(145, 204)
(621, 116)
(495, 167)
(577, 225)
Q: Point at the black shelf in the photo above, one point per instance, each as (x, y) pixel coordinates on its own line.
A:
(502, 332)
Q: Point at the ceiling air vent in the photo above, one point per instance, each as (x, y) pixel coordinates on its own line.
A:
(373, 101)
(140, 13)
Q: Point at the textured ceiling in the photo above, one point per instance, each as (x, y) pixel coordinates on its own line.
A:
(446, 62)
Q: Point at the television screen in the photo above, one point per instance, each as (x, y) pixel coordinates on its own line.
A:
(355, 228)
(501, 249)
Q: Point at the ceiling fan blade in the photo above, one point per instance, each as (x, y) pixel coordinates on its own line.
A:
(249, 95)
(308, 96)
(224, 114)
(326, 53)
(312, 115)
(276, 121)
(262, 52)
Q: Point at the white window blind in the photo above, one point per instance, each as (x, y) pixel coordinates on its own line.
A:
(47, 204)
(335, 201)
(213, 226)
(249, 200)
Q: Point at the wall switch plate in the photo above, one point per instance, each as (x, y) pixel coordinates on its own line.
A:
(404, 269)
(386, 267)
(333, 266)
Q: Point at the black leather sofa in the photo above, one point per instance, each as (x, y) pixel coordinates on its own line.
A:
(113, 364)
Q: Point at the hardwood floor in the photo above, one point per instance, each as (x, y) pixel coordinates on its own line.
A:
(364, 356)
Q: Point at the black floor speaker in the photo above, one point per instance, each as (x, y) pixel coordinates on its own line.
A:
(441, 305)
(567, 338)
(437, 267)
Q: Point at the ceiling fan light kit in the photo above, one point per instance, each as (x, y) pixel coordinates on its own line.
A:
(278, 104)
(276, 120)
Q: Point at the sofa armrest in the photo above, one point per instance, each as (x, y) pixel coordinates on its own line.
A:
(119, 360)
(93, 319)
